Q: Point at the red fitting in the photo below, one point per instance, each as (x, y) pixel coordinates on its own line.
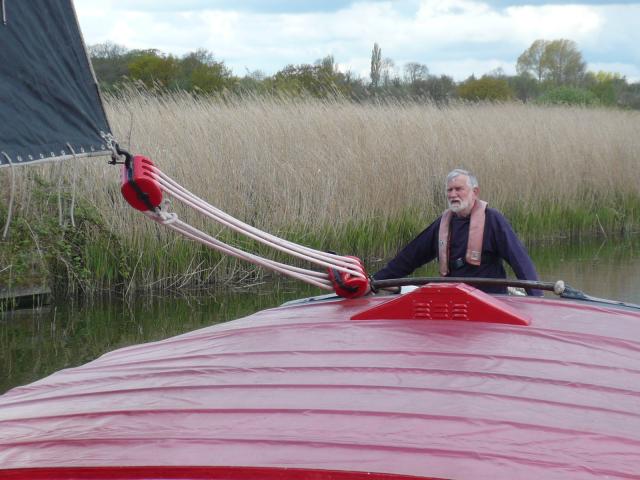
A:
(347, 285)
(139, 186)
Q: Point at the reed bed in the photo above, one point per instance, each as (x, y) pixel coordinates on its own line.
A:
(357, 178)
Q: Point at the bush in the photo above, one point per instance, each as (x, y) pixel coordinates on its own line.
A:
(485, 88)
(568, 96)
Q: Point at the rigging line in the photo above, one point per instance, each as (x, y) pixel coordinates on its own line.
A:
(267, 264)
(344, 264)
(202, 236)
(12, 194)
(200, 208)
(60, 214)
(335, 259)
(197, 235)
(73, 187)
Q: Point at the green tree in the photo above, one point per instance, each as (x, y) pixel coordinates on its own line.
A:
(524, 86)
(530, 61)
(153, 68)
(200, 71)
(486, 89)
(253, 81)
(607, 86)
(376, 65)
(319, 80)
(110, 62)
(439, 89)
(557, 62)
(563, 63)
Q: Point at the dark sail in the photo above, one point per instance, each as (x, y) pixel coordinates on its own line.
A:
(49, 97)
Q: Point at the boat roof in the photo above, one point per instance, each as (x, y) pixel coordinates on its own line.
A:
(298, 390)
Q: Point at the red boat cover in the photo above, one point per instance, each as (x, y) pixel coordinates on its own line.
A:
(304, 387)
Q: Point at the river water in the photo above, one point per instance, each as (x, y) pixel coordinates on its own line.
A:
(35, 343)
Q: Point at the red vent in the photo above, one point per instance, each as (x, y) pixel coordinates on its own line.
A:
(446, 301)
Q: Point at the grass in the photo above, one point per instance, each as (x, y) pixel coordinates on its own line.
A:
(358, 179)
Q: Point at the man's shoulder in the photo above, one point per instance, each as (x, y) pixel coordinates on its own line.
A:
(494, 212)
(494, 215)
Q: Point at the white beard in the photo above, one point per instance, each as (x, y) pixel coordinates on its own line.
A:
(457, 207)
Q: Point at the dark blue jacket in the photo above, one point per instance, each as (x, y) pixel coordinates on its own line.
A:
(499, 243)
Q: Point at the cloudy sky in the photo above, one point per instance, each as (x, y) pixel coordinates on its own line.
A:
(453, 37)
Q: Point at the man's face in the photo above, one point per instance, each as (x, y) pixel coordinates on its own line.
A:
(461, 196)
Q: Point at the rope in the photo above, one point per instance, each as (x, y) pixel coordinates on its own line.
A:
(177, 224)
(327, 260)
(60, 214)
(11, 195)
(73, 187)
(314, 278)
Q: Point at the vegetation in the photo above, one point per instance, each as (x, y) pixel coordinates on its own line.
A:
(542, 69)
(485, 88)
(333, 174)
(558, 62)
(48, 247)
(568, 96)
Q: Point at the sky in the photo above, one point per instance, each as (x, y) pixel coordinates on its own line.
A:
(453, 37)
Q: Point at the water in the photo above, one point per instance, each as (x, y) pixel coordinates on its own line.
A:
(35, 343)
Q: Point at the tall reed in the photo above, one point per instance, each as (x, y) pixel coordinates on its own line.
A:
(358, 178)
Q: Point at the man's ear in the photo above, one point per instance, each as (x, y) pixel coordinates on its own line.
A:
(476, 190)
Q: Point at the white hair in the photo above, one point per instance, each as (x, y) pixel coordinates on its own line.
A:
(472, 181)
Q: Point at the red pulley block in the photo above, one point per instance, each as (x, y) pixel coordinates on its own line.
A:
(347, 285)
(139, 186)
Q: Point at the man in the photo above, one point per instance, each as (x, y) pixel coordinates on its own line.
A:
(469, 240)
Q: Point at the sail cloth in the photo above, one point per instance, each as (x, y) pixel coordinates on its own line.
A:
(50, 105)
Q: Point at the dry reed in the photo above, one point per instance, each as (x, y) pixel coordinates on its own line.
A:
(359, 178)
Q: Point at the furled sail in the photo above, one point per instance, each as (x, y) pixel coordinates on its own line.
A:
(50, 105)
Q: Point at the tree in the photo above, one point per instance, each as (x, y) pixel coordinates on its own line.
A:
(414, 71)
(558, 62)
(199, 70)
(108, 50)
(153, 68)
(110, 62)
(320, 80)
(630, 96)
(607, 86)
(439, 89)
(485, 88)
(253, 81)
(524, 86)
(562, 63)
(376, 65)
(530, 61)
(387, 72)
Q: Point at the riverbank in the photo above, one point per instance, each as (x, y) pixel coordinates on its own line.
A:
(357, 179)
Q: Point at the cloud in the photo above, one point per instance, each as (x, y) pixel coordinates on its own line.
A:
(463, 36)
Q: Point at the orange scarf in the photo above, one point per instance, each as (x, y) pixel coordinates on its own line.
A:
(474, 244)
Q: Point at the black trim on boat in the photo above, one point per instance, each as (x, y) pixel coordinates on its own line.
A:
(559, 287)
